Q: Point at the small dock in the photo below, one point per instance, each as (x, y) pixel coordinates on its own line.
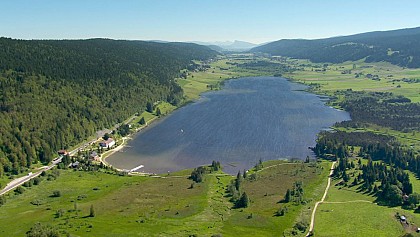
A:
(136, 168)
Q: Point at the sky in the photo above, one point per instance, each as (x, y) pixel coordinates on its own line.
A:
(255, 21)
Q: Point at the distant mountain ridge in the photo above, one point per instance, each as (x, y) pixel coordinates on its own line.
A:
(236, 45)
(399, 47)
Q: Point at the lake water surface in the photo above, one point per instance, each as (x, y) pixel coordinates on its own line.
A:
(251, 118)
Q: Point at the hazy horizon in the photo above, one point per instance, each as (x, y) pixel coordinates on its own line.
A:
(209, 21)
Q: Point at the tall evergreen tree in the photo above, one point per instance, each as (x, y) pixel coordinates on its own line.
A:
(243, 201)
(92, 211)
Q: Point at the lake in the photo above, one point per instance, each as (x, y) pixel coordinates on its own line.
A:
(250, 119)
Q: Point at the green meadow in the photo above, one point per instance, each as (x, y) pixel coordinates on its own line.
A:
(348, 211)
(220, 70)
(169, 205)
(391, 78)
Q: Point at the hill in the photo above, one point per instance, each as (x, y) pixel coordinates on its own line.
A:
(56, 93)
(399, 47)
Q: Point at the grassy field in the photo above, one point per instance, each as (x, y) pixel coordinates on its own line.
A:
(347, 211)
(160, 206)
(265, 194)
(391, 78)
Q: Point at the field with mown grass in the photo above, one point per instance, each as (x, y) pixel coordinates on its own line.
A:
(170, 205)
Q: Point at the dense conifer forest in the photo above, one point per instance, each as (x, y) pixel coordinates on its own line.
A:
(55, 93)
(381, 108)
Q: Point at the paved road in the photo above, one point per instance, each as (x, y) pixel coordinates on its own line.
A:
(19, 181)
(311, 227)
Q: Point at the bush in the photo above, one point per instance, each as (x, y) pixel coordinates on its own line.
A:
(19, 190)
(2, 200)
(42, 230)
(37, 202)
(37, 181)
(59, 213)
(301, 226)
(282, 211)
(56, 193)
(28, 184)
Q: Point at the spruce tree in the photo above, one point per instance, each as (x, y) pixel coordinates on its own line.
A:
(92, 211)
(288, 196)
(243, 202)
(142, 121)
(149, 107)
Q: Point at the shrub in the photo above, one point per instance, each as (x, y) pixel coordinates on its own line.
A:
(19, 190)
(37, 181)
(56, 193)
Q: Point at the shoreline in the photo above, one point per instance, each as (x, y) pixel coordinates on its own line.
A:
(153, 122)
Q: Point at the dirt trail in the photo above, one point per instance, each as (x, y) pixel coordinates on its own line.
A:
(311, 227)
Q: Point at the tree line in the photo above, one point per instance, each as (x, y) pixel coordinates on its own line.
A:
(381, 108)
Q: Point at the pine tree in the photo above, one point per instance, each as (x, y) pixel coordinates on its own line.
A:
(243, 202)
(238, 181)
(92, 211)
(142, 121)
(288, 196)
(149, 107)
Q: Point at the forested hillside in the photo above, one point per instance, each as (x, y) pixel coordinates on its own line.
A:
(55, 93)
(399, 47)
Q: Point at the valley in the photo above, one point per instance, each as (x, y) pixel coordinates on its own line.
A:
(271, 193)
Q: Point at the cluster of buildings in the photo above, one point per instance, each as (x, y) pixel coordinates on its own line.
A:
(109, 143)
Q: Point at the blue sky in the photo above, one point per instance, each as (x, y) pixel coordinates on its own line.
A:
(202, 20)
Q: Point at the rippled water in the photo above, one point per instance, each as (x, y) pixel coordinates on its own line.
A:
(251, 118)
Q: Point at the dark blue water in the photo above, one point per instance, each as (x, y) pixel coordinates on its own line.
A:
(250, 119)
